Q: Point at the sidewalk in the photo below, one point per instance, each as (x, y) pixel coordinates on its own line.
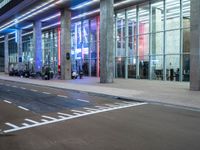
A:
(175, 93)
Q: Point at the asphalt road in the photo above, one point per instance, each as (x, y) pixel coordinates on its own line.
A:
(40, 118)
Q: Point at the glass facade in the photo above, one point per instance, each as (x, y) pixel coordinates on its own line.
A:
(27, 51)
(152, 41)
(85, 46)
(1, 56)
(50, 49)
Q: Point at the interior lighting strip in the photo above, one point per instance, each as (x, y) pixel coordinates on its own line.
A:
(84, 4)
(31, 13)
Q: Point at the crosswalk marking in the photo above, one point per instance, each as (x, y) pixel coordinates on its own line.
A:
(64, 116)
(32, 121)
(78, 111)
(44, 120)
(47, 117)
(90, 109)
(68, 115)
(25, 124)
(101, 107)
(11, 125)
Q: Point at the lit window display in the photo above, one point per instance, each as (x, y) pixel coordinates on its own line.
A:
(27, 51)
(85, 45)
(50, 49)
(12, 50)
(158, 41)
(152, 41)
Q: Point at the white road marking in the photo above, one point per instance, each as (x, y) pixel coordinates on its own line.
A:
(7, 101)
(23, 88)
(63, 96)
(46, 93)
(121, 103)
(14, 86)
(25, 124)
(45, 122)
(12, 125)
(62, 117)
(47, 117)
(23, 108)
(7, 84)
(111, 105)
(68, 115)
(101, 107)
(126, 102)
(33, 90)
(32, 121)
(90, 109)
(78, 111)
(82, 100)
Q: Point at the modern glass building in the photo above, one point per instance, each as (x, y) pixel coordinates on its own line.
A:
(151, 39)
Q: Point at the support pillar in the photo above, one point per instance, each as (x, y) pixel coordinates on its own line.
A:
(106, 41)
(19, 48)
(65, 44)
(6, 55)
(37, 45)
(195, 46)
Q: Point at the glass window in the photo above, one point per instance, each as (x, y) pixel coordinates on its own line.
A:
(157, 67)
(186, 13)
(157, 17)
(93, 30)
(121, 25)
(173, 42)
(120, 47)
(85, 42)
(132, 26)
(172, 14)
(157, 43)
(143, 45)
(120, 67)
(144, 67)
(144, 18)
(12, 46)
(186, 67)
(132, 67)
(1, 56)
(186, 40)
(172, 67)
(28, 53)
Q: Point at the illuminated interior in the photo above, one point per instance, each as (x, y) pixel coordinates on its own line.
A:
(151, 41)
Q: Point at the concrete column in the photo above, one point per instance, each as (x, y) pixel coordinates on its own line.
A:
(6, 54)
(19, 48)
(106, 41)
(65, 44)
(195, 46)
(37, 45)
